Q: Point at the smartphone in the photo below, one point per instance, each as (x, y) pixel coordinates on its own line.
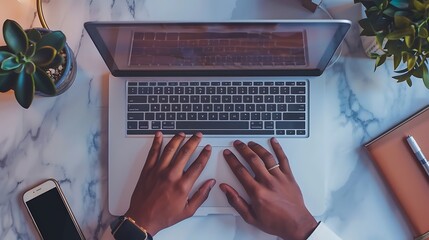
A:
(51, 213)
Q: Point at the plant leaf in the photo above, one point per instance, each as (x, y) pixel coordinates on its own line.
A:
(402, 77)
(417, 5)
(15, 37)
(400, 33)
(33, 35)
(31, 50)
(30, 68)
(7, 80)
(409, 82)
(24, 89)
(423, 32)
(379, 60)
(402, 71)
(55, 39)
(409, 40)
(396, 60)
(402, 22)
(44, 83)
(411, 62)
(425, 76)
(4, 55)
(10, 64)
(44, 56)
(58, 60)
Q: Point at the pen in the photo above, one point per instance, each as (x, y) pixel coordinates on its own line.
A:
(418, 152)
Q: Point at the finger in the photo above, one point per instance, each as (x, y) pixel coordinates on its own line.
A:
(199, 197)
(252, 159)
(170, 150)
(281, 156)
(266, 157)
(243, 176)
(197, 167)
(154, 153)
(238, 203)
(186, 151)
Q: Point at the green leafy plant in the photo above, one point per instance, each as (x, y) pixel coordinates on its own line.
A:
(26, 58)
(401, 33)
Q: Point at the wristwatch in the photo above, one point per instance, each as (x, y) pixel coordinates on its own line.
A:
(125, 228)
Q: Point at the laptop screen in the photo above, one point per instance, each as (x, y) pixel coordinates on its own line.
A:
(261, 48)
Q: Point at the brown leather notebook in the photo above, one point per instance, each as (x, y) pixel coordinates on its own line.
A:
(403, 174)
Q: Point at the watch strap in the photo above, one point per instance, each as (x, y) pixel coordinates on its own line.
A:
(125, 228)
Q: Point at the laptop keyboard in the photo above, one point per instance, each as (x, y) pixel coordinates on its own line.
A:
(269, 108)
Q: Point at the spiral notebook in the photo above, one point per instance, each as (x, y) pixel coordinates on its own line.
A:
(402, 173)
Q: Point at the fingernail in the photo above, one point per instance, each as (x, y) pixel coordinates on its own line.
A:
(222, 187)
(275, 140)
(236, 142)
(182, 134)
(226, 152)
(199, 134)
(251, 143)
(212, 183)
(158, 134)
(208, 147)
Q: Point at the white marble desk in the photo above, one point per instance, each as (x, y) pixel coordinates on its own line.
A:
(66, 137)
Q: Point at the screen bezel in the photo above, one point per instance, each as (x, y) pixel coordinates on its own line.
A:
(39, 190)
(91, 28)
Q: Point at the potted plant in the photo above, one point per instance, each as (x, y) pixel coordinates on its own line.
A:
(35, 61)
(400, 29)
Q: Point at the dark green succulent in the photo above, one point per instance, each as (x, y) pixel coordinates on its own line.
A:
(25, 59)
(402, 33)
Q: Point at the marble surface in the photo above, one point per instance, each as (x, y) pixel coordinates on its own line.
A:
(66, 137)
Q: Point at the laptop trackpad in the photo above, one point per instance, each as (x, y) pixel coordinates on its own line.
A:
(217, 168)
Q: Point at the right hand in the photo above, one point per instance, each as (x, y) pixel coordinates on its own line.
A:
(276, 204)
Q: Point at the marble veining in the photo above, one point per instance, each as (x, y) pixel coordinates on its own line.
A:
(66, 137)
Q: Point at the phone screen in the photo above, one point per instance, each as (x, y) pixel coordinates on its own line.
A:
(52, 218)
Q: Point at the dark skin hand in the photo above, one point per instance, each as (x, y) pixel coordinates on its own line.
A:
(161, 197)
(276, 204)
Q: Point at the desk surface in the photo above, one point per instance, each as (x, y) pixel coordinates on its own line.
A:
(66, 137)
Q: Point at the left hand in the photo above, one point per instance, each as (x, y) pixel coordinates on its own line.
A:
(161, 197)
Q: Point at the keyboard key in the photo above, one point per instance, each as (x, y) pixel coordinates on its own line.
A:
(269, 99)
(250, 107)
(284, 90)
(138, 107)
(145, 90)
(156, 125)
(300, 99)
(195, 99)
(280, 132)
(135, 116)
(155, 107)
(290, 99)
(226, 99)
(215, 99)
(181, 116)
(174, 99)
(132, 90)
(197, 107)
(300, 132)
(218, 107)
(171, 116)
(163, 99)
(192, 116)
(186, 107)
(239, 107)
(212, 125)
(290, 132)
(184, 99)
(149, 116)
(256, 125)
(282, 107)
(132, 125)
(237, 99)
(290, 125)
(143, 125)
(255, 116)
(298, 90)
(160, 116)
(279, 99)
(213, 116)
(244, 116)
(207, 107)
(293, 116)
(165, 107)
(296, 107)
(223, 116)
(153, 99)
(168, 125)
(205, 99)
(137, 99)
(234, 116)
(277, 116)
(202, 116)
(269, 125)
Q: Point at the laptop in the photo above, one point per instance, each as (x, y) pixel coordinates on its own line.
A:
(247, 80)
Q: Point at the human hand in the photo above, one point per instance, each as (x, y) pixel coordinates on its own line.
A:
(276, 204)
(160, 198)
